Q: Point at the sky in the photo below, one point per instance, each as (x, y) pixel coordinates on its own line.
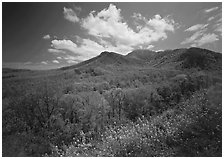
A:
(52, 35)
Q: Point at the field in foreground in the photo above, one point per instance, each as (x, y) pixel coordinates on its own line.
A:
(144, 104)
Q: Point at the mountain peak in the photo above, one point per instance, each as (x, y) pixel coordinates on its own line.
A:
(105, 53)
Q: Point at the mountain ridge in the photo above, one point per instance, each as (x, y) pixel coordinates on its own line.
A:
(179, 58)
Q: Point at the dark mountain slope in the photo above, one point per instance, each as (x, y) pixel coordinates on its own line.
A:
(201, 58)
(175, 59)
(180, 58)
(107, 58)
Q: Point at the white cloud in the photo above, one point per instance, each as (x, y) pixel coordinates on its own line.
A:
(55, 61)
(44, 62)
(218, 28)
(197, 27)
(194, 37)
(70, 15)
(109, 23)
(78, 9)
(46, 37)
(211, 9)
(211, 18)
(86, 50)
(55, 51)
(138, 16)
(59, 57)
(64, 45)
(27, 63)
(206, 39)
(150, 46)
(71, 59)
(200, 38)
(72, 62)
(111, 33)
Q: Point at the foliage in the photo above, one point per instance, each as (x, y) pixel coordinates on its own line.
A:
(112, 111)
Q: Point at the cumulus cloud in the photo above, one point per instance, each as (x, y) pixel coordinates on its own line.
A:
(150, 46)
(109, 23)
(63, 45)
(87, 49)
(211, 9)
(138, 16)
(44, 62)
(55, 51)
(70, 15)
(197, 27)
(59, 57)
(55, 61)
(110, 32)
(46, 37)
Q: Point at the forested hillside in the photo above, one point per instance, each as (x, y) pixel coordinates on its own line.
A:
(144, 104)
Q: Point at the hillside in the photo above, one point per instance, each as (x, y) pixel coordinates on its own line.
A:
(107, 58)
(147, 103)
(180, 58)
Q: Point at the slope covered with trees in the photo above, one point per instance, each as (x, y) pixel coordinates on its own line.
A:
(146, 103)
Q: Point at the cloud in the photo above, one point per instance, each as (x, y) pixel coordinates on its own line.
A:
(27, 63)
(78, 9)
(70, 15)
(150, 46)
(71, 59)
(197, 27)
(55, 51)
(200, 38)
(211, 9)
(138, 16)
(109, 23)
(86, 50)
(59, 57)
(193, 38)
(55, 61)
(46, 37)
(64, 45)
(206, 39)
(108, 31)
(211, 18)
(218, 28)
(44, 62)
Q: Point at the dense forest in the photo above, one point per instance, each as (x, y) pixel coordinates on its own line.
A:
(144, 104)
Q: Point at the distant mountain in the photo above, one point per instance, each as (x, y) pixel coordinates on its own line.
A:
(201, 58)
(107, 58)
(12, 70)
(178, 58)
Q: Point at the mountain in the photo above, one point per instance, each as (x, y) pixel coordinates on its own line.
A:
(142, 54)
(178, 58)
(107, 58)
